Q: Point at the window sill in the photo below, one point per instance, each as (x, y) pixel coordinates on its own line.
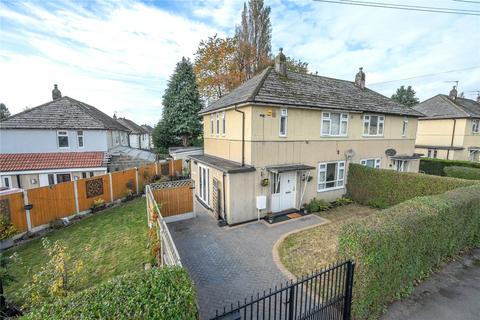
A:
(372, 136)
(330, 189)
(332, 136)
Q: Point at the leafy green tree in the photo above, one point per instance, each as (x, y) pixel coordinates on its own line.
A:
(297, 65)
(405, 96)
(180, 121)
(4, 112)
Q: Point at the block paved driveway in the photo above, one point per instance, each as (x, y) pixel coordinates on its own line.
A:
(229, 264)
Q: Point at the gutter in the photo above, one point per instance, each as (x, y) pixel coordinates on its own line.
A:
(243, 135)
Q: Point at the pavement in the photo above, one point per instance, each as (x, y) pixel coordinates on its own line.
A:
(228, 264)
(450, 294)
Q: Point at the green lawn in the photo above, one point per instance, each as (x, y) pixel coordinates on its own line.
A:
(110, 243)
(308, 250)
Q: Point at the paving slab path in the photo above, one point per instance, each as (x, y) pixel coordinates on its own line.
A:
(451, 294)
(228, 264)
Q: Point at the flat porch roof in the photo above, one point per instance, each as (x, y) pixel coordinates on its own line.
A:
(289, 167)
(221, 164)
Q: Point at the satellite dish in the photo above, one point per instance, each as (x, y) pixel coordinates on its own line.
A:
(349, 154)
(390, 152)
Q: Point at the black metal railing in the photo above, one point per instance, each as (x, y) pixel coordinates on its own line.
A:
(325, 294)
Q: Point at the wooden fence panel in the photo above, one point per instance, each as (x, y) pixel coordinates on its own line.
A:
(176, 168)
(145, 175)
(174, 201)
(17, 210)
(52, 202)
(92, 189)
(119, 182)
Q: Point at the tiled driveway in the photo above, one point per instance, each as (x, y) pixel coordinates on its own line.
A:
(229, 264)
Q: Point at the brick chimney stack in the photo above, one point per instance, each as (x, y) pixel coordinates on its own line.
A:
(281, 63)
(56, 94)
(453, 93)
(360, 79)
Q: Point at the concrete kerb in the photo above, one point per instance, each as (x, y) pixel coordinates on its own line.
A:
(276, 255)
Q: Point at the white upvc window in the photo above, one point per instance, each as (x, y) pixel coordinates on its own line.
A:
(331, 175)
(400, 165)
(218, 124)
(373, 125)
(62, 139)
(475, 126)
(283, 123)
(334, 124)
(432, 153)
(211, 124)
(404, 126)
(224, 122)
(80, 139)
(204, 185)
(372, 163)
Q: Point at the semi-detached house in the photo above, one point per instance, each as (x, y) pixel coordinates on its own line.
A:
(289, 137)
(58, 141)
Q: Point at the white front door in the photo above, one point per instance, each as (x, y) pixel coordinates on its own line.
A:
(285, 187)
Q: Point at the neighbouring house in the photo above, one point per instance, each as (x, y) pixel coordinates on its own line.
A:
(58, 141)
(450, 128)
(284, 138)
(149, 129)
(139, 138)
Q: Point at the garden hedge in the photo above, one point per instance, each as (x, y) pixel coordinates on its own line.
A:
(160, 293)
(462, 172)
(385, 188)
(398, 246)
(436, 166)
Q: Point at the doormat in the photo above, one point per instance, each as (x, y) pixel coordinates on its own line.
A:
(294, 215)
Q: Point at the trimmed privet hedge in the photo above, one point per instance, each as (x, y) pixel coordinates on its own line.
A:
(383, 188)
(436, 166)
(462, 172)
(398, 246)
(159, 293)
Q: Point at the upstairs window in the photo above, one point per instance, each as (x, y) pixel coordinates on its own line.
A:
(80, 139)
(373, 125)
(372, 163)
(334, 124)
(218, 123)
(283, 123)
(224, 129)
(62, 138)
(211, 124)
(404, 126)
(475, 126)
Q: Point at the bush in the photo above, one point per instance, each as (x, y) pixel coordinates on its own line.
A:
(158, 293)
(7, 229)
(317, 205)
(462, 172)
(436, 166)
(398, 246)
(389, 187)
(378, 203)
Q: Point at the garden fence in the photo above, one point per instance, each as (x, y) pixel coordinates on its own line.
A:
(166, 251)
(31, 209)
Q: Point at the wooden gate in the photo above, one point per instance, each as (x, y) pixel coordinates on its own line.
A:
(174, 197)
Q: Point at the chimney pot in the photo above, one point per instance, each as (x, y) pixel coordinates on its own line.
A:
(56, 94)
(281, 63)
(360, 78)
(453, 93)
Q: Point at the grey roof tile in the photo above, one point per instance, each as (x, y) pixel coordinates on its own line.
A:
(442, 107)
(132, 126)
(297, 89)
(63, 113)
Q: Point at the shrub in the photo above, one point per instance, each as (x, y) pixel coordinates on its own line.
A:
(7, 229)
(390, 187)
(462, 172)
(398, 246)
(158, 293)
(343, 201)
(378, 203)
(317, 205)
(436, 166)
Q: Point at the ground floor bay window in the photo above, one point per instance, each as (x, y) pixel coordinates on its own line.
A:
(203, 188)
(331, 175)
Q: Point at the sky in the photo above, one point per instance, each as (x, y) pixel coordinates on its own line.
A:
(118, 55)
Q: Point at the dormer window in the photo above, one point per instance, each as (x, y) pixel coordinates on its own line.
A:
(62, 139)
(283, 123)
